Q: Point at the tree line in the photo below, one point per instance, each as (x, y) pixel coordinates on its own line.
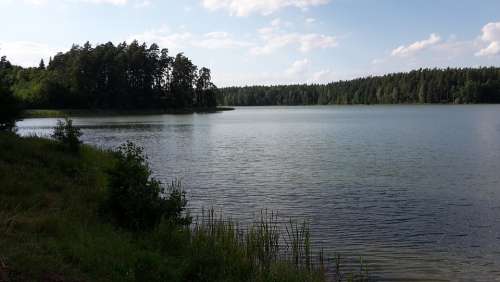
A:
(108, 76)
(456, 86)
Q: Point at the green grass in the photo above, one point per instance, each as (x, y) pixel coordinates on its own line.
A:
(52, 228)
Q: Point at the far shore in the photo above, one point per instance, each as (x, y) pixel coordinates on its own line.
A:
(55, 113)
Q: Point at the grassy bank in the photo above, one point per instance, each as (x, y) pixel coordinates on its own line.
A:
(55, 113)
(52, 229)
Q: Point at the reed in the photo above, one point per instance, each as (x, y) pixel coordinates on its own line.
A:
(52, 225)
(267, 245)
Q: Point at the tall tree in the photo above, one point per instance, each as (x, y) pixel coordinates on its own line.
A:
(41, 66)
(205, 95)
(183, 77)
(9, 106)
(469, 85)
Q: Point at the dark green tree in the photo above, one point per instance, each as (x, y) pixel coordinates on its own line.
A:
(183, 78)
(9, 105)
(468, 85)
(125, 76)
(205, 94)
(41, 66)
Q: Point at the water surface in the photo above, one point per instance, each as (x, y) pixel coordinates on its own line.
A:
(415, 190)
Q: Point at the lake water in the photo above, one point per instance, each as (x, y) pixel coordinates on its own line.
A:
(414, 190)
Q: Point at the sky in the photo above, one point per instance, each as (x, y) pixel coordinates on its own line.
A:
(266, 42)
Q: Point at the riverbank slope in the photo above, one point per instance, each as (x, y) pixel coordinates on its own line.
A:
(52, 228)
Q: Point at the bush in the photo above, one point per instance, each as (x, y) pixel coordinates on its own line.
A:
(136, 200)
(67, 134)
(9, 109)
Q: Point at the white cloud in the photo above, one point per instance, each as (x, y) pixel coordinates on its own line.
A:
(310, 20)
(303, 42)
(26, 53)
(492, 49)
(142, 4)
(112, 2)
(217, 34)
(270, 39)
(298, 67)
(219, 40)
(405, 51)
(178, 41)
(323, 76)
(36, 2)
(491, 36)
(274, 38)
(175, 41)
(276, 22)
(137, 3)
(264, 7)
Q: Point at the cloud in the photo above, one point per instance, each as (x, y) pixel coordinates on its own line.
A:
(298, 67)
(274, 38)
(137, 3)
(26, 53)
(323, 76)
(310, 20)
(219, 40)
(303, 42)
(270, 39)
(142, 4)
(405, 51)
(163, 37)
(178, 41)
(264, 7)
(112, 2)
(491, 36)
(36, 2)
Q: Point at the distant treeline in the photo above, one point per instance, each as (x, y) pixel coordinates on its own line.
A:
(125, 76)
(459, 86)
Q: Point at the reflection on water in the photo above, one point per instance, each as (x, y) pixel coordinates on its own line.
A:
(415, 190)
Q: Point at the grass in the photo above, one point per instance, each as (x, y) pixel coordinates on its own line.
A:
(57, 113)
(52, 229)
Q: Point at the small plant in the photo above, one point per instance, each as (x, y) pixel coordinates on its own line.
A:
(139, 202)
(67, 134)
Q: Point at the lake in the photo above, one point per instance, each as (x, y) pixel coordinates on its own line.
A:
(414, 190)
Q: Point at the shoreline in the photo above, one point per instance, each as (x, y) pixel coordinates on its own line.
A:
(56, 225)
(57, 113)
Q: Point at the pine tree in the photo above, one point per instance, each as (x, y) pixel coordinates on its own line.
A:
(41, 66)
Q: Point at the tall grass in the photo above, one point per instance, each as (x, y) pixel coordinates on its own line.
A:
(270, 248)
(258, 251)
(51, 223)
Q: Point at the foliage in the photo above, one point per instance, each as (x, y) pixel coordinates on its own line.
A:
(137, 201)
(52, 229)
(468, 85)
(125, 76)
(220, 250)
(9, 105)
(67, 134)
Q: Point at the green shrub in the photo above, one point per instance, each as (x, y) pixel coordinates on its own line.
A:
(67, 134)
(9, 109)
(136, 200)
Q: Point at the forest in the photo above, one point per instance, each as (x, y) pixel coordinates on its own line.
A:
(125, 76)
(423, 86)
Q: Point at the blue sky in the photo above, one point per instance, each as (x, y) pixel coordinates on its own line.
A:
(247, 42)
